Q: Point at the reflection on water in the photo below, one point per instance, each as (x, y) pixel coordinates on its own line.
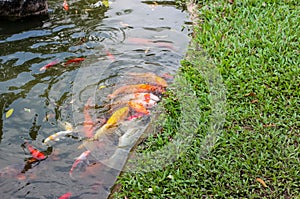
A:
(129, 36)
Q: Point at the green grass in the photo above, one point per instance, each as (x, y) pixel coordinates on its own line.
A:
(255, 46)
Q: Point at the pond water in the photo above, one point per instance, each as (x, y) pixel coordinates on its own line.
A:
(105, 45)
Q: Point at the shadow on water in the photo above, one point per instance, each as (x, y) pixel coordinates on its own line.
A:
(8, 26)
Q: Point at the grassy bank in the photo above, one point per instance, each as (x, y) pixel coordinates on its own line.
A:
(255, 46)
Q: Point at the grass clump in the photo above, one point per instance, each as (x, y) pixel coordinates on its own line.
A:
(255, 46)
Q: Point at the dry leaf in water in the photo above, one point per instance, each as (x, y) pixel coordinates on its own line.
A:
(9, 113)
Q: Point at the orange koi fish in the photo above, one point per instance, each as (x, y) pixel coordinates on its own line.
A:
(35, 153)
(118, 116)
(138, 107)
(65, 5)
(80, 159)
(88, 123)
(75, 60)
(136, 88)
(151, 78)
(66, 196)
(49, 65)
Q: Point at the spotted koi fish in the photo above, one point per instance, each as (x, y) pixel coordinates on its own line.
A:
(138, 107)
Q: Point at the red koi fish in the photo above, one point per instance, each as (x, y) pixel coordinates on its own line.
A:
(35, 153)
(88, 123)
(49, 65)
(80, 159)
(66, 196)
(136, 88)
(65, 5)
(75, 60)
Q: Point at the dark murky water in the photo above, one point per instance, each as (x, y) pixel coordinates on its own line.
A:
(129, 36)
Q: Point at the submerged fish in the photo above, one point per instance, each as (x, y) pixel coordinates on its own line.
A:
(13, 171)
(49, 65)
(146, 104)
(135, 116)
(35, 153)
(80, 159)
(88, 123)
(65, 5)
(75, 60)
(143, 41)
(151, 78)
(139, 96)
(66, 195)
(57, 136)
(118, 116)
(110, 56)
(138, 107)
(136, 88)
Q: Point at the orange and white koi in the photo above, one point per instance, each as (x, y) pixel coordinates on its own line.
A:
(65, 5)
(75, 60)
(80, 159)
(150, 78)
(139, 96)
(57, 136)
(49, 65)
(138, 107)
(66, 196)
(148, 100)
(136, 88)
(118, 116)
(35, 153)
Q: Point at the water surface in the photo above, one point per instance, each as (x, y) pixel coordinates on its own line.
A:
(129, 36)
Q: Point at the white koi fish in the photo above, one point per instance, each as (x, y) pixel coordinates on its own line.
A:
(57, 136)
